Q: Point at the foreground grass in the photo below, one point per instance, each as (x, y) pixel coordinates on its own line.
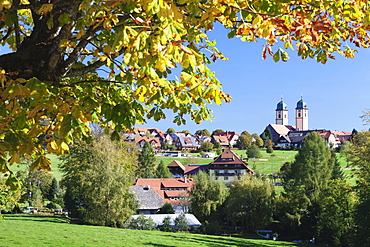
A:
(35, 230)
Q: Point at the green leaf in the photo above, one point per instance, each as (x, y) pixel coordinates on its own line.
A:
(276, 56)
(13, 183)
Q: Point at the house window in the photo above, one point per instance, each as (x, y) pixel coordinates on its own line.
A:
(226, 178)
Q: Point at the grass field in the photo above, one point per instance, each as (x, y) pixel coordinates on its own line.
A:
(34, 230)
(268, 163)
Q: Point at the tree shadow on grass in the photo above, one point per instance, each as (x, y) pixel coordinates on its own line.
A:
(225, 241)
(38, 217)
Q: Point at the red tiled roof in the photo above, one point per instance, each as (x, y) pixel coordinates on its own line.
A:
(177, 183)
(228, 134)
(157, 183)
(221, 139)
(148, 139)
(173, 193)
(193, 169)
(138, 130)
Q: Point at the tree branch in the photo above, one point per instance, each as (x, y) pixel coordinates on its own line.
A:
(86, 69)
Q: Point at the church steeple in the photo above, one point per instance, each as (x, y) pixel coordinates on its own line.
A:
(281, 113)
(301, 115)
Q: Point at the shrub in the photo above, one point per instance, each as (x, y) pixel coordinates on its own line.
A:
(181, 224)
(166, 225)
(141, 223)
(53, 205)
(166, 209)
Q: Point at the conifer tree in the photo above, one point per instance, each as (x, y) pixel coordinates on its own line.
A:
(266, 134)
(311, 170)
(147, 161)
(318, 199)
(163, 171)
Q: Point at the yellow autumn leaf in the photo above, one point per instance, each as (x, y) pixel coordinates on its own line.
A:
(45, 8)
(53, 145)
(64, 146)
(5, 5)
(64, 108)
(80, 34)
(257, 21)
(2, 77)
(14, 159)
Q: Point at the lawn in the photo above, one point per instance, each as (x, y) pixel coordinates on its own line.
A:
(35, 230)
(268, 163)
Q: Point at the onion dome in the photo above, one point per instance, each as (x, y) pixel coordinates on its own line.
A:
(281, 106)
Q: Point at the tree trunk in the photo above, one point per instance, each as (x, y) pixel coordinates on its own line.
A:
(40, 54)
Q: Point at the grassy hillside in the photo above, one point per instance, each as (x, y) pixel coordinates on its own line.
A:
(33, 230)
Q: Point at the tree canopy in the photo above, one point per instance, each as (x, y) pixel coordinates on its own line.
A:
(97, 178)
(203, 132)
(51, 88)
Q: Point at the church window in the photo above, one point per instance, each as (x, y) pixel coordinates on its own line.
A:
(279, 116)
(299, 114)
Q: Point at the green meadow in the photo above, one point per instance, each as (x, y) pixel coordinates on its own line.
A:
(37, 230)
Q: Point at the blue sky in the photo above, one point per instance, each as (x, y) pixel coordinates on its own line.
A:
(336, 93)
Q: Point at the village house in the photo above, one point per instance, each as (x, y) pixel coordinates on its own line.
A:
(148, 200)
(228, 167)
(153, 141)
(142, 131)
(177, 169)
(165, 138)
(186, 143)
(231, 136)
(224, 142)
(175, 191)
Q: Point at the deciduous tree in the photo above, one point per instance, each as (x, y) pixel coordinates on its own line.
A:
(51, 90)
(207, 195)
(259, 142)
(206, 146)
(170, 131)
(97, 178)
(244, 140)
(360, 159)
(253, 151)
(217, 131)
(203, 132)
(251, 203)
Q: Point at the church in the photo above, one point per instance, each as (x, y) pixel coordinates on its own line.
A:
(285, 135)
(301, 115)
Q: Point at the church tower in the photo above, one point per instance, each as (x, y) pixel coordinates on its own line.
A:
(301, 115)
(281, 113)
